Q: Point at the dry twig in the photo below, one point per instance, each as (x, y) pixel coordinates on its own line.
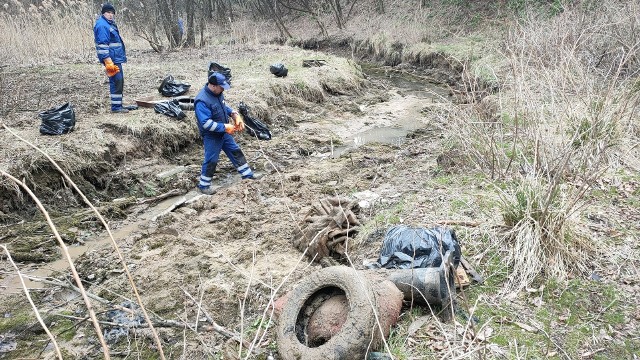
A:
(65, 252)
(35, 309)
(113, 241)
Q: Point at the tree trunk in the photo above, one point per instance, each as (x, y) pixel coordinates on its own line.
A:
(306, 6)
(220, 9)
(169, 23)
(265, 7)
(380, 6)
(337, 12)
(191, 31)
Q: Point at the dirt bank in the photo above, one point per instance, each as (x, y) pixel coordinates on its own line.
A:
(338, 131)
(232, 249)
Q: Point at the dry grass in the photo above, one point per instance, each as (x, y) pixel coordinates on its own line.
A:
(556, 127)
(542, 236)
(256, 86)
(54, 32)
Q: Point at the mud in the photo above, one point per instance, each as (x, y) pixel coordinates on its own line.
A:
(233, 250)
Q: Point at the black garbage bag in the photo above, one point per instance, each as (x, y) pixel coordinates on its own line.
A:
(407, 247)
(215, 67)
(253, 126)
(171, 87)
(57, 121)
(279, 70)
(170, 108)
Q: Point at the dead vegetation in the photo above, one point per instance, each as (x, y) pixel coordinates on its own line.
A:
(328, 229)
(549, 135)
(538, 153)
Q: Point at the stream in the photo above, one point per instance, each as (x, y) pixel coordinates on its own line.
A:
(390, 122)
(384, 122)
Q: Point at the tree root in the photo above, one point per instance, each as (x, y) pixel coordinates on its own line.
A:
(327, 228)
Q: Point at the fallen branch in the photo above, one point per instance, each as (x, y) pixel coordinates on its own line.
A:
(35, 309)
(74, 288)
(159, 323)
(171, 193)
(65, 252)
(458, 222)
(113, 243)
(220, 329)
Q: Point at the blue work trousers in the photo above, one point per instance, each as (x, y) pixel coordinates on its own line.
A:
(116, 87)
(213, 144)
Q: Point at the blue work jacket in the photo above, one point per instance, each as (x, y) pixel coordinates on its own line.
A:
(109, 44)
(211, 112)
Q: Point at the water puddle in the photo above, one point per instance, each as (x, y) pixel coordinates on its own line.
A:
(391, 121)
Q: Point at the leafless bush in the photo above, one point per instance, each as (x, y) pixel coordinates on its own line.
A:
(560, 121)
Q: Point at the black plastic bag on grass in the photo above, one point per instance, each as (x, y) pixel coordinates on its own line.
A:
(170, 87)
(407, 247)
(57, 121)
(170, 108)
(225, 71)
(279, 70)
(253, 126)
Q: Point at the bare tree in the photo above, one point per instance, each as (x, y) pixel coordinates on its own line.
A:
(270, 10)
(309, 7)
(169, 19)
(191, 33)
(379, 6)
(336, 8)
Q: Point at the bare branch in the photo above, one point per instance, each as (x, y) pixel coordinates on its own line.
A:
(35, 309)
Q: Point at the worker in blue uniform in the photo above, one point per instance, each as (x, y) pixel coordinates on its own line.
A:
(111, 53)
(212, 115)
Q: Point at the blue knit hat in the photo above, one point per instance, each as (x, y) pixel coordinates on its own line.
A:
(106, 7)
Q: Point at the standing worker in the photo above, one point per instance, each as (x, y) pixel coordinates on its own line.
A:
(111, 53)
(212, 115)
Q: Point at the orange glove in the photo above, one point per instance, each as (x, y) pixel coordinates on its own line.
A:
(239, 122)
(111, 68)
(229, 129)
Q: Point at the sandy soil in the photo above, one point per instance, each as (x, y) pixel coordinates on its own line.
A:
(382, 142)
(233, 249)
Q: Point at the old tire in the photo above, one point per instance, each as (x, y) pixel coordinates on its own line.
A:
(353, 339)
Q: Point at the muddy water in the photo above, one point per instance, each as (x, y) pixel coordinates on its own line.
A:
(11, 283)
(389, 122)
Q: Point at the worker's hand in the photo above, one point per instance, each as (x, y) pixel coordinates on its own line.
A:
(229, 129)
(111, 68)
(239, 121)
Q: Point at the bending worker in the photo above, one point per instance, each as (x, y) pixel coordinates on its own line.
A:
(111, 53)
(212, 114)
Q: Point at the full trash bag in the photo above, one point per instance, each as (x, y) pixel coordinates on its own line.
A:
(406, 247)
(57, 121)
(171, 87)
(254, 127)
(215, 67)
(279, 70)
(170, 108)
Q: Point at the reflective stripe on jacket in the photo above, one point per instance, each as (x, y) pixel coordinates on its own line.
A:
(109, 44)
(211, 111)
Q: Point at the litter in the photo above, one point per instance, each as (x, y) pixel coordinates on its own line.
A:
(313, 63)
(407, 247)
(215, 67)
(327, 228)
(59, 120)
(170, 108)
(170, 87)
(279, 70)
(255, 128)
